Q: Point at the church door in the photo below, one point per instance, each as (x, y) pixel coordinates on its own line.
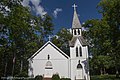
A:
(48, 69)
(79, 74)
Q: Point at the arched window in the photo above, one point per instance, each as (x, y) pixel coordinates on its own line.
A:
(76, 51)
(80, 50)
(48, 69)
(48, 56)
(48, 65)
(75, 32)
(79, 74)
(78, 32)
(79, 66)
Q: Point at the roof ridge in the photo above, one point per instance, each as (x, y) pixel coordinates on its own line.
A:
(80, 38)
(49, 42)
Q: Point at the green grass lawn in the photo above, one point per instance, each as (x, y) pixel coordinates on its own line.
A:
(104, 77)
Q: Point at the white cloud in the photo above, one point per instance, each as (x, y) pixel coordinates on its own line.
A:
(56, 11)
(25, 3)
(36, 7)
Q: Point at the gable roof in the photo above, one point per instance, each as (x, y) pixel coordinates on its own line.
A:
(80, 38)
(49, 42)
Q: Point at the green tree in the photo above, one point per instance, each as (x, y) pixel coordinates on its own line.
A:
(21, 34)
(110, 10)
(38, 77)
(55, 77)
(103, 34)
(62, 39)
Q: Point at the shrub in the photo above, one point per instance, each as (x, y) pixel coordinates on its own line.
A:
(65, 79)
(55, 77)
(39, 77)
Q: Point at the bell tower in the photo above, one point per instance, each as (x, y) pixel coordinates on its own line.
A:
(76, 26)
(78, 51)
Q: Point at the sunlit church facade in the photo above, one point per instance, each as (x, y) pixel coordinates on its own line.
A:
(49, 59)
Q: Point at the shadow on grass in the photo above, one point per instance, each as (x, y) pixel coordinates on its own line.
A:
(104, 77)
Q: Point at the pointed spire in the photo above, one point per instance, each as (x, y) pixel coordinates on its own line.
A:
(76, 22)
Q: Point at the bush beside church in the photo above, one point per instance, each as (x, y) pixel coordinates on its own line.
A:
(54, 77)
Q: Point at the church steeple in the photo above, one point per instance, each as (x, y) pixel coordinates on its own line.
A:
(78, 51)
(76, 30)
(76, 25)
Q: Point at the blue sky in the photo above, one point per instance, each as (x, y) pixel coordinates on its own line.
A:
(61, 11)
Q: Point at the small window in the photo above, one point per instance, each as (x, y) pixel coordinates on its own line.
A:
(75, 32)
(48, 56)
(80, 50)
(79, 66)
(78, 32)
(76, 51)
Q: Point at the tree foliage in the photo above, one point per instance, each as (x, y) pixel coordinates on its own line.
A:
(103, 35)
(21, 34)
(38, 77)
(62, 39)
(55, 77)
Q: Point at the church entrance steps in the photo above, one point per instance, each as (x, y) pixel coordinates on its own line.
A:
(80, 79)
(47, 78)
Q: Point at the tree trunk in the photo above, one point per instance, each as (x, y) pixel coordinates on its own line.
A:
(104, 71)
(5, 69)
(116, 67)
(117, 73)
(21, 66)
(101, 71)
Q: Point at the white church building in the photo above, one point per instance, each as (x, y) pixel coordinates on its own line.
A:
(49, 59)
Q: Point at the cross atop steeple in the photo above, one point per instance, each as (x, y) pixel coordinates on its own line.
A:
(49, 37)
(74, 6)
(76, 22)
